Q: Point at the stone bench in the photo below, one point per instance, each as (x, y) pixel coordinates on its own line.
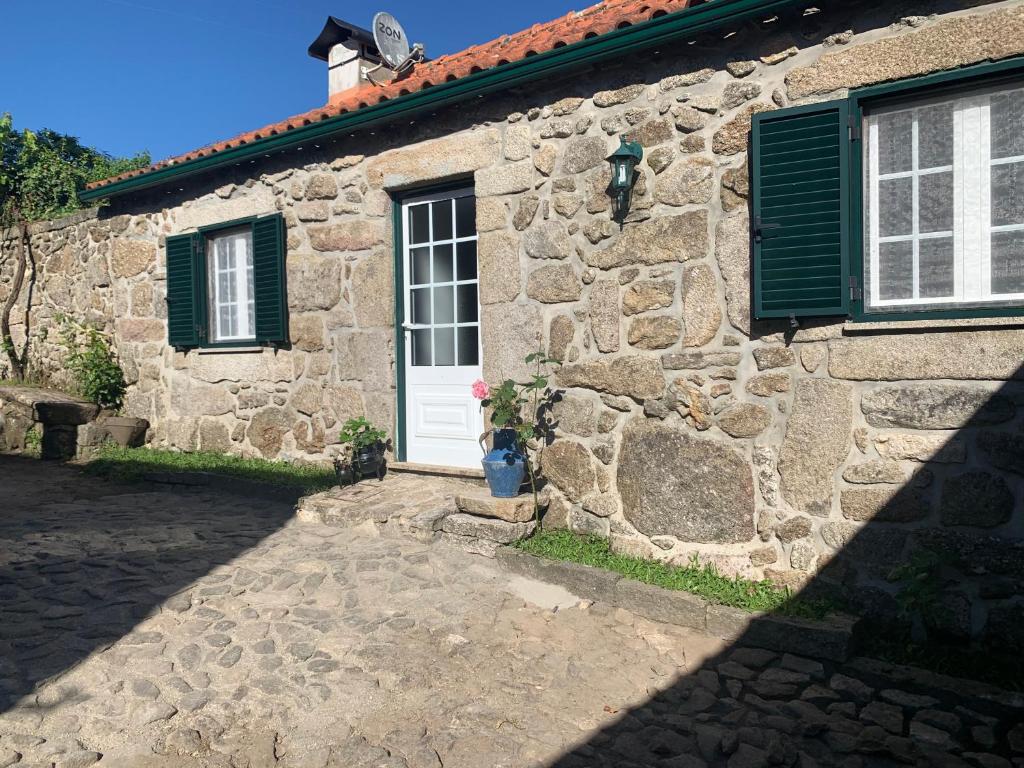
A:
(57, 416)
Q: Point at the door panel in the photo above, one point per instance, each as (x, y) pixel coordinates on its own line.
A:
(442, 331)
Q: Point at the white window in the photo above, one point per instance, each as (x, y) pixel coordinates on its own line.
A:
(232, 302)
(944, 187)
(444, 309)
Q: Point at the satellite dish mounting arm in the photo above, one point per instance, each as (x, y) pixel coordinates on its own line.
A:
(415, 56)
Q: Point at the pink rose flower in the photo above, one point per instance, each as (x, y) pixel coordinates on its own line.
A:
(480, 389)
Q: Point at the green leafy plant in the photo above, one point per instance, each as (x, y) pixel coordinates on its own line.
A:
(93, 364)
(920, 594)
(360, 434)
(34, 442)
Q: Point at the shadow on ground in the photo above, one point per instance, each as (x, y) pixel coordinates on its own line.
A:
(72, 583)
(932, 562)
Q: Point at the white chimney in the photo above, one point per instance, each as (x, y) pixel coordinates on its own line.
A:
(350, 52)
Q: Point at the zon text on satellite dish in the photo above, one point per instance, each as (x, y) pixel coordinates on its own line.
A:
(391, 39)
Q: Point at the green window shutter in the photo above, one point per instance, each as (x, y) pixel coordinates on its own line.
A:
(800, 205)
(183, 311)
(268, 260)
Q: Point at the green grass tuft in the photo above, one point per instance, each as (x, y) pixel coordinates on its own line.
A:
(130, 464)
(702, 580)
(22, 383)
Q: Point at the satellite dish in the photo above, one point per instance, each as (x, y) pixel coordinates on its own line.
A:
(392, 42)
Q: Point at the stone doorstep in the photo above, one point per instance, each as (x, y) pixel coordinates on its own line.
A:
(413, 468)
(831, 640)
(518, 509)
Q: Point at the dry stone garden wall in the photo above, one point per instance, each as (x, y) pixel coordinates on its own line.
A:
(826, 452)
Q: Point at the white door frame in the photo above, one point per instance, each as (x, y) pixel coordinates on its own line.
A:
(442, 421)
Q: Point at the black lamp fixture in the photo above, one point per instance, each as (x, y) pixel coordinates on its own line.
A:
(624, 161)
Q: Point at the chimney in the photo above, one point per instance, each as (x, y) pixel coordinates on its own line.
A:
(350, 52)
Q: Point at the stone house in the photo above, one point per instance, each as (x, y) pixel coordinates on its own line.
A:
(798, 354)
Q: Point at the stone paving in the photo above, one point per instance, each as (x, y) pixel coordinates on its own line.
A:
(143, 628)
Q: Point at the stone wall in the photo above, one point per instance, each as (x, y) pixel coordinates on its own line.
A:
(823, 453)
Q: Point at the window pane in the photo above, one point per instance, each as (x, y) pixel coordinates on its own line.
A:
(444, 305)
(1008, 262)
(442, 263)
(935, 260)
(895, 206)
(896, 270)
(1008, 194)
(935, 136)
(467, 303)
(442, 220)
(250, 309)
(223, 254)
(1007, 118)
(225, 287)
(225, 317)
(935, 202)
(420, 261)
(420, 306)
(419, 229)
(467, 260)
(444, 346)
(469, 346)
(421, 346)
(895, 142)
(250, 288)
(465, 216)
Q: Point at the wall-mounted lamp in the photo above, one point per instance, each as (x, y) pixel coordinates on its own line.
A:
(624, 161)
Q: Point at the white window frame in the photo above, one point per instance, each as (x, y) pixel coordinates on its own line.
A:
(454, 240)
(972, 213)
(240, 270)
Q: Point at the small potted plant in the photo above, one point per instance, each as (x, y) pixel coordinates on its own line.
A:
(508, 463)
(366, 445)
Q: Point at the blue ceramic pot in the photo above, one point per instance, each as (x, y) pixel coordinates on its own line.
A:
(504, 465)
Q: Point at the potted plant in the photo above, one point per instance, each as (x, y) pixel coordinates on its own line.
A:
(98, 377)
(508, 462)
(366, 445)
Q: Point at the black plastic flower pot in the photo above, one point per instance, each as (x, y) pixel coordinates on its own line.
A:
(344, 473)
(369, 461)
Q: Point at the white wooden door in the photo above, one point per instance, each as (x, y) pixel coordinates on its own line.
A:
(443, 421)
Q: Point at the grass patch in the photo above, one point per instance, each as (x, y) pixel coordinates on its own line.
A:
(131, 464)
(22, 383)
(702, 580)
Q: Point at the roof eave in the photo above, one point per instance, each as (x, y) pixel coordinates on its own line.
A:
(583, 53)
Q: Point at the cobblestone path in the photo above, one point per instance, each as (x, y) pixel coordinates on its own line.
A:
(146, 629)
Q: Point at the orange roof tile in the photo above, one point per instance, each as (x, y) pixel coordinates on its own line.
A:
(575, 26)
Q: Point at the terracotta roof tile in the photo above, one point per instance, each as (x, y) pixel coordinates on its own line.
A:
(575, 26)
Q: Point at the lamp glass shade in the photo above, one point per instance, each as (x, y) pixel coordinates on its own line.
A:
(623, 161)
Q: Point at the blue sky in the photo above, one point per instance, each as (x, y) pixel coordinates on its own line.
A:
(172, 75)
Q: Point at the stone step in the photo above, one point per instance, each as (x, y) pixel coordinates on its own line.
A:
(436, 470)
(518, 509)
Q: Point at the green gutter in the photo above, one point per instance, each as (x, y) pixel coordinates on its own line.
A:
(612, 45)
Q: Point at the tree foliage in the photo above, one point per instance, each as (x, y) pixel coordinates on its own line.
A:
(41, 172)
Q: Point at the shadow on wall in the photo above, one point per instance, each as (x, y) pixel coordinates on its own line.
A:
(932, 560)
(74, 580)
